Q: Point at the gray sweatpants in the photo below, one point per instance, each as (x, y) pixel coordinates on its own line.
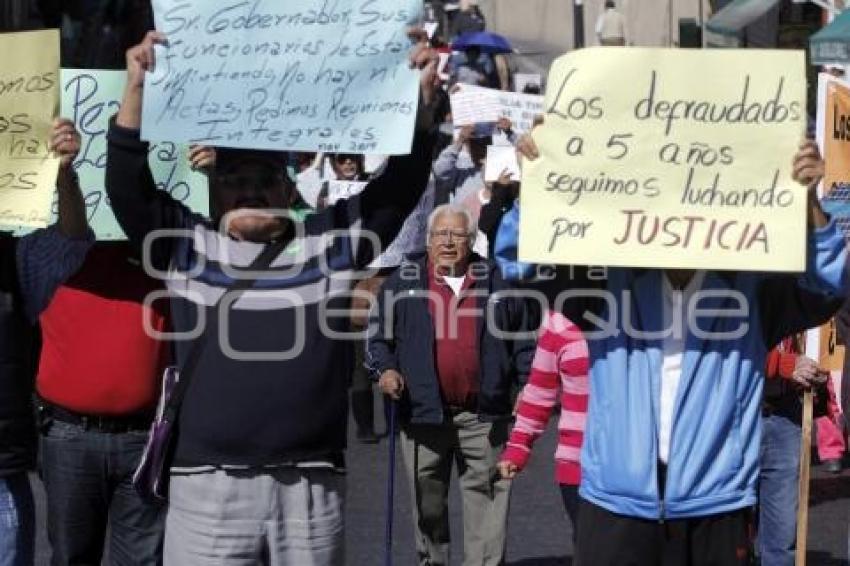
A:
(283, 517)
(428, 452)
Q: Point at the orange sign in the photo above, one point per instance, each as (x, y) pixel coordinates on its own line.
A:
(836, 136)
(831, 348)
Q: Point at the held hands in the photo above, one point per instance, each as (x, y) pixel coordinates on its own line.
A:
(392, 384)
(65, 141)
(508, 470)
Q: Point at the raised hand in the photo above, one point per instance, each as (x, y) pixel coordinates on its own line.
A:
(202, 158)
(64, 141)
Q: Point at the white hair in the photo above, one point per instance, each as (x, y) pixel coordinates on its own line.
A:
(452, 209)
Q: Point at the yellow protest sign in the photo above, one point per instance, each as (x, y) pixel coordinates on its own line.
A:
(29, 99)
(670, 159)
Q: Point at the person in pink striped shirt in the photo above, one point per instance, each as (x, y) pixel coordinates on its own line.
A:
(560, 367)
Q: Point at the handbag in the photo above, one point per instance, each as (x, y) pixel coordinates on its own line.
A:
(152, 474)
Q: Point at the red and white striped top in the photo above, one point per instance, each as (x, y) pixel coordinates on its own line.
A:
(560, 366)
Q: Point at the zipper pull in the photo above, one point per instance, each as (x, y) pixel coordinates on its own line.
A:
(662, 517)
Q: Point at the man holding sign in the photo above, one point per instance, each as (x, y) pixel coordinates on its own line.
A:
(262, 429)
(671, 454)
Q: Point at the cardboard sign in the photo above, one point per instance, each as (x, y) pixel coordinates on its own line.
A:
(833, 132)
(669, 173)
(29, 99)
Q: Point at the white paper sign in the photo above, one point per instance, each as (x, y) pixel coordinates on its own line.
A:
(473, 105)
(501, 158)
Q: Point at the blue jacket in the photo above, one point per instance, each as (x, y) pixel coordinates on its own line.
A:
(408, 346)
(713, 464)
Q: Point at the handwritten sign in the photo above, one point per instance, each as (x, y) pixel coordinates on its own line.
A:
(29, 99)
(306, 75)
(339, 190)
(90, 98)
(501, 158)
(833, 133)
(473, 105)
(669, 173)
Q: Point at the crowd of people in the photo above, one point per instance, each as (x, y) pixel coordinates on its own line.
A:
(666, 441)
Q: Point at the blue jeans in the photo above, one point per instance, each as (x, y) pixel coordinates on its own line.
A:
(88, 479)
(17, 521)
(778, 484)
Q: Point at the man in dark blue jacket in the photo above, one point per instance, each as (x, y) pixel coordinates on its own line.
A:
(451, 342)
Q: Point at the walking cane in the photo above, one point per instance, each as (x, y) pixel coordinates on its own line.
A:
(805, 468)
(388, 543)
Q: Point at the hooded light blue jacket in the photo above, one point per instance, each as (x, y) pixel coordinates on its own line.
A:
(713, 462)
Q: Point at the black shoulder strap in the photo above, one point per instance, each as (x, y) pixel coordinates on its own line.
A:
(187, 370)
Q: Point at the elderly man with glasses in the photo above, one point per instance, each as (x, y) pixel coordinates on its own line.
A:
(450, 344)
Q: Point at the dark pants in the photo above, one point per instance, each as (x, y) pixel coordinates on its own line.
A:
(569, 494)
(362, 395)
(607, 539)
(88, 479)
(780, 461)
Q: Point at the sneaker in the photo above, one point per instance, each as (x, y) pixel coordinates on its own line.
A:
(832, 466)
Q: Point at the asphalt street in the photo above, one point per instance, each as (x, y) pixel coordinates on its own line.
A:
(539, 532)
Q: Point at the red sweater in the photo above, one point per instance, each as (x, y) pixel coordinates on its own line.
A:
(96, 358)
(455, 340)
(560, 367)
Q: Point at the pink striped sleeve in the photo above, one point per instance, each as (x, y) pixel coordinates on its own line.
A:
(537, 398)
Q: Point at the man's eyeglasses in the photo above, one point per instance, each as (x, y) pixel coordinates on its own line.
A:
(450, 235)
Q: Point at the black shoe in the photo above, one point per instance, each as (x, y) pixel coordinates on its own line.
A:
(367, 437)
(832, 466)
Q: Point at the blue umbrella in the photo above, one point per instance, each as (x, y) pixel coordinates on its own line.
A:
(485, 41)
